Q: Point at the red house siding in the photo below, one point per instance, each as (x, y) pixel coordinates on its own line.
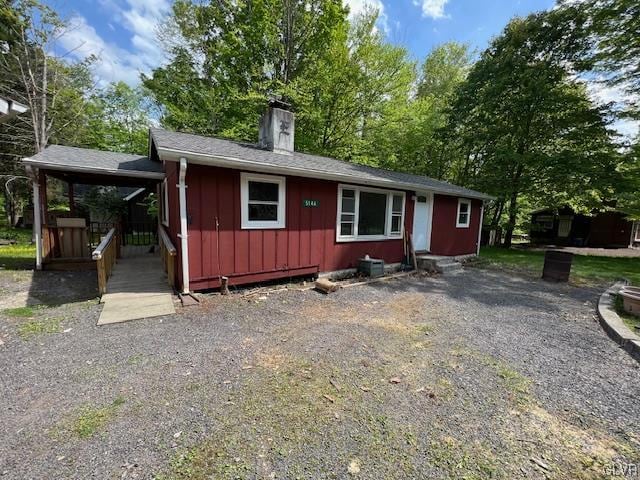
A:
(446, 238)
(306, 246)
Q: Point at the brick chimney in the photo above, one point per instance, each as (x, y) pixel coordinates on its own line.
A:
(277, 127)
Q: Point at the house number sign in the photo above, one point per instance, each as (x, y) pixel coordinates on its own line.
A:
(308, 203)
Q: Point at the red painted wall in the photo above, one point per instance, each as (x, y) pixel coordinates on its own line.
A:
(307, 245)
(446, 238)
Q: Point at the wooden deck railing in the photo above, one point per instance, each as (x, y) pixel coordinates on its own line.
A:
(105, 255)
(168, 255)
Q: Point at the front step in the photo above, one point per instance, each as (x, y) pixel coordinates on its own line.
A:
(444, 265)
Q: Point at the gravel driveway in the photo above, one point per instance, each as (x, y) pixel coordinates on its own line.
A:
(471, 376)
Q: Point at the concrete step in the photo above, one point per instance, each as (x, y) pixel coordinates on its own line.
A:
(444, 265)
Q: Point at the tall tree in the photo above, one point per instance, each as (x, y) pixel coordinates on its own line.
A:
(52, 88)
(230, 56)
(603, 36)
(524, 127)
(118, 119)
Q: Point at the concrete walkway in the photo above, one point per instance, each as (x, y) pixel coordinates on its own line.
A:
(137, 289)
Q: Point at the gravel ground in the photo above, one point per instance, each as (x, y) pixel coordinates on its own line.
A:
(596, 252)
(476, 375)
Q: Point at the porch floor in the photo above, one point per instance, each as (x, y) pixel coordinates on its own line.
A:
(137, 289)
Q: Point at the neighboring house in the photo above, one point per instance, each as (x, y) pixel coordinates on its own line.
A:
(601, 229)
(9, 109)
(254, 213)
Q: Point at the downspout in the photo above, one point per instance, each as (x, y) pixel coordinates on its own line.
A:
(37, 216)
(184, 244)
(480, 229)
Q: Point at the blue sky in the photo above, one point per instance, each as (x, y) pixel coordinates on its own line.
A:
(123, 32)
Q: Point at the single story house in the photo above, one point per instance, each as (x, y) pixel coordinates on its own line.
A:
(563, 226)
(254, 213)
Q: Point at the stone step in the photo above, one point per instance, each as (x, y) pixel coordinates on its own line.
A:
(444, 265)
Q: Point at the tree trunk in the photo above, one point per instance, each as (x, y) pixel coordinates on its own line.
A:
(513, 207)
(511, 223)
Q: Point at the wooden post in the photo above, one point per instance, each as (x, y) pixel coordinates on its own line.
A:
(171, 269)
(224, 286)
(72, 202)
(413, 253)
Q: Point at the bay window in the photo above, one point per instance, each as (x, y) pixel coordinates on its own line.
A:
(369, 214)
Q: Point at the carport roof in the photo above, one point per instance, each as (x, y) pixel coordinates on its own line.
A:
(95, 162)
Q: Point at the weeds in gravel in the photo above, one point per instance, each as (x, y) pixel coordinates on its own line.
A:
(32, 328)
(20, 312)
(91, 419)
(466, 461)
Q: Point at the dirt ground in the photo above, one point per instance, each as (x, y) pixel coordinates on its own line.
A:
(478, 375)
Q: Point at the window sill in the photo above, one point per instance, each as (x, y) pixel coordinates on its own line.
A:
(373, 238)
(462, 226)
(262, 227)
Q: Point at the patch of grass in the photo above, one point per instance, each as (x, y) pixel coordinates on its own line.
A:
(631, 321)
(32, 328)
(585, 268)
(17, 257)
(91, 419)
(136, 359)
(463, 460)
(20, 312)
(515, 383)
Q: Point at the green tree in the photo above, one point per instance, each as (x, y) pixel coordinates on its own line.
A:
(118, 119)
(231, 56)
(523, 127)
(603, 36)
(53, 89)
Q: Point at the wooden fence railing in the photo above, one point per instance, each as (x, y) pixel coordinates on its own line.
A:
(105, 256)
(168, 255)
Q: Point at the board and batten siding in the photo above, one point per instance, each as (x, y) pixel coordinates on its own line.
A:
(307, 245)
(446, 238)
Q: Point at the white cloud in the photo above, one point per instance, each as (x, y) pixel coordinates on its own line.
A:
(432, 8)
(140, 18)
(605, 94)
(358, 7)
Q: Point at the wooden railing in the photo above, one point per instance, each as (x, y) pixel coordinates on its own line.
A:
(105, 256)
(168, 255)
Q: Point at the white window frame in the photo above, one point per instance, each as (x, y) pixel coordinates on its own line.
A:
(369, 238)
(247, 224)
(466, 224)
(164, 203)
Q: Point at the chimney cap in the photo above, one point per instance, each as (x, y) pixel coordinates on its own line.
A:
(278, 102)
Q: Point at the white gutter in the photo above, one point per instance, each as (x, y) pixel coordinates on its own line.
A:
(184, 244)
(172, 154)
(480, 229)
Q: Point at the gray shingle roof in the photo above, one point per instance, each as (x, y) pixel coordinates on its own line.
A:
(300, 164)
(75, 159)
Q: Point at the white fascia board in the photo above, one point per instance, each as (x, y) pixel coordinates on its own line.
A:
(18, 107)
(97, 171)
(174, 155)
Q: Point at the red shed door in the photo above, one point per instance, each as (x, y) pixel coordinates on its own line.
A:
(422, 214)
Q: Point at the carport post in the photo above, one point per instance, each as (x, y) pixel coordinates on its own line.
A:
(37, 215)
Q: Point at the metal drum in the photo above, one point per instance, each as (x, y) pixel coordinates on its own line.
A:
(557, 265)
